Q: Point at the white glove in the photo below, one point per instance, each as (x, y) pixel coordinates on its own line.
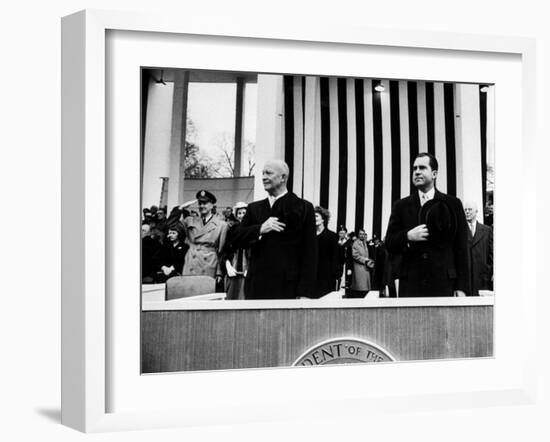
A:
(231, 272)
(187, 204)
(167, 270)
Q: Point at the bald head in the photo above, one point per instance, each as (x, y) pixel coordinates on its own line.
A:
(470, 210)
(275, 176)
(278, 165)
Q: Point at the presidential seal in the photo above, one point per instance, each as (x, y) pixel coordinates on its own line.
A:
(343, 351)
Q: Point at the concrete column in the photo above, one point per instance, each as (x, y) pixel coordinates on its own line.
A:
(490, 141)
(177, 139)
(269, 136)
(312, 145)
(468, 136)
(239, 108)
(156, 149)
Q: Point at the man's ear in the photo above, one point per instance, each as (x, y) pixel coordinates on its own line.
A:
(434, 172)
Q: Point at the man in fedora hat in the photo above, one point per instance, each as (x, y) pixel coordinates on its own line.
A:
(427, 238)
(281, 235)
(206, 236)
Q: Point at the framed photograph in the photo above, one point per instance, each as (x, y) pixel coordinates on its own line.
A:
(349, 144)
(206, 173)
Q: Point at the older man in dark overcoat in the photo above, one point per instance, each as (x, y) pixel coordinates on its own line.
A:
(281, 235)
(480, 241)
(427, 238)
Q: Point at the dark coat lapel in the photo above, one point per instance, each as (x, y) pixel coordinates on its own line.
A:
(280, 205)
(280, 202)
(438, 195)
(416, 199)
(478, 235)
(262, 210)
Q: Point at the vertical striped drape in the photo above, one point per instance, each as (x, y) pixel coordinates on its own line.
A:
(349, 147)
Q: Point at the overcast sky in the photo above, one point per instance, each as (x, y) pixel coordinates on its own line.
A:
(211, 107)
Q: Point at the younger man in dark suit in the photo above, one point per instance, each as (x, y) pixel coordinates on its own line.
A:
(427, 238)
(281, 235)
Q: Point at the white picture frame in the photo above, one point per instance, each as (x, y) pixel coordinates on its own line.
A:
(87, 311)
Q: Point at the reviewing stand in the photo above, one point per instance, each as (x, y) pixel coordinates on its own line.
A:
(191, 335)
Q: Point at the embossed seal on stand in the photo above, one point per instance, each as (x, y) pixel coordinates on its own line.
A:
(343, 351)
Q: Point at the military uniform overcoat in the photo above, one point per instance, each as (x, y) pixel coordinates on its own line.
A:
(205, 242)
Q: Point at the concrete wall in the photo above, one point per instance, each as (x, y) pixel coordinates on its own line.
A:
(228, 191)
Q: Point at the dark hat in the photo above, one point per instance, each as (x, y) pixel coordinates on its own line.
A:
(205, 195)
(439, 219)
(178, 227)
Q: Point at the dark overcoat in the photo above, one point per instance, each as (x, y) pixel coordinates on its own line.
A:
(481, 253)
(328, 263)
(433, 267)
(174, 256)
(151, 259)
(238, 258)
(283, 265)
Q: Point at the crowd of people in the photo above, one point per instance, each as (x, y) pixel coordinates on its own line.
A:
(281, 247)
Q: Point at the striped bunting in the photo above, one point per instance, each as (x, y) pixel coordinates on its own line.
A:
(349, 147)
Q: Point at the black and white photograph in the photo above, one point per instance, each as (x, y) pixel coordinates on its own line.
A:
(275, 221)
(299, 220)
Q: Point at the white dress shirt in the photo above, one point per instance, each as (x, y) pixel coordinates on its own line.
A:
(272, 199)
(425, 197)
(472, 226)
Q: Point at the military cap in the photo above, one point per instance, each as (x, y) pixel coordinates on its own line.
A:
(205, 195)
(440, 220)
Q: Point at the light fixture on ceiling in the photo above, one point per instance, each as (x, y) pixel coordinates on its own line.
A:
(161, 79)
(379, 87)
(484, 88)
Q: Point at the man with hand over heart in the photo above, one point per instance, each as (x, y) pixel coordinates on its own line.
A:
(427, 238)
(281, 235)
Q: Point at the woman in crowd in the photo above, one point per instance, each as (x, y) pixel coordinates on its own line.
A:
(362, 266)
(235, 260)
(174, 252)
(328, 259)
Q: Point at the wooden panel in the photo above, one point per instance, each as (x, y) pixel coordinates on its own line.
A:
(206, 340)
